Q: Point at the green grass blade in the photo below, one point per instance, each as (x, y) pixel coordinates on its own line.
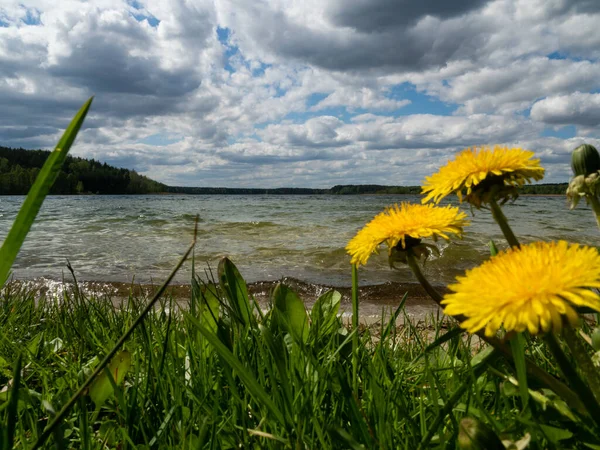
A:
(355, 327)
(443, 338)
(392, 323)
(249, 381)
(13, 405)
(32, 204)
(455, 397)
(517, 345)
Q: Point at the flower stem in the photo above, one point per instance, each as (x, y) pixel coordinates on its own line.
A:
(583, 391)
(583, 359)
(355, 328)
(501, 220)
(416, 270)
(593, 200)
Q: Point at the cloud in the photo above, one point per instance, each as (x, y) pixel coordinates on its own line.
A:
(360, 98)
(514, 87)
(307, 34)
(578, 109)
(313, 93)
(370, 16)
(419, 131)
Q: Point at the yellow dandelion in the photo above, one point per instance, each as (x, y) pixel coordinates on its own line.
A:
(398, 224)
(477, 170)
(531, 288)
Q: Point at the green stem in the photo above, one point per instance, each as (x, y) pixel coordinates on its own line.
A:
(579, 352)
(533, 370)
(416, 270)
(109, 356)
(593, 200)
(501, 220)
(355, 328)
(583, 391)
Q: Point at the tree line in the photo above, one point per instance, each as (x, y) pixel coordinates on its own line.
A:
(243, 191)
(351, 189)
(19, 169)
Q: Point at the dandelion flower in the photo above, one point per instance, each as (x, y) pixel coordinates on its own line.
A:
(529, 288)
(478, 170)
(406, 225)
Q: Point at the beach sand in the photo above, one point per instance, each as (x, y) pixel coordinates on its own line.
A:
(374, 300)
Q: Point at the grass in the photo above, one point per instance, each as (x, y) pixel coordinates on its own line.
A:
(213, 377)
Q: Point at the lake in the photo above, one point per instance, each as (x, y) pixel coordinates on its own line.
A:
(120, 238)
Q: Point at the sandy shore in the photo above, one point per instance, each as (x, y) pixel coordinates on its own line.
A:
(374, 300)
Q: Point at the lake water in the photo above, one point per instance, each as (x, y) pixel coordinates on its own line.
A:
(116, 238)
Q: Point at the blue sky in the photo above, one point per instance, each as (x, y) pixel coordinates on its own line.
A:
(305, 94)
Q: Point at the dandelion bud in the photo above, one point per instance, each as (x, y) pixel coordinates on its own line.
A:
(586, 183)
(475, 435)
(591, 181)
(585, 160)
(576, 190)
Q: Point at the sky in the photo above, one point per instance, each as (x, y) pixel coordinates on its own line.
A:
(313, 93)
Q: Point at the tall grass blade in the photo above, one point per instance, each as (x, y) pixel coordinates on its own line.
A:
(443, 338)
(249, 381)
(517, 345)
(358, 420)
(38, 192)
(276, 347)
(355, 327)
(341, 435)
(13, 406)
(392, 323)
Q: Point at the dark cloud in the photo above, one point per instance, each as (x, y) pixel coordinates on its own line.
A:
(430, 43)
(17, 109)
(12, 133)
(582, 6)
(371, 16)
(101, 61)
(142, 160)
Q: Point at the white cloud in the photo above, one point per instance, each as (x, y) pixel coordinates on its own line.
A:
(578, 108)
(359, 98)
(302, 93)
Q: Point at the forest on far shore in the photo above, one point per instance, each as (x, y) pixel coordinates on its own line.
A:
(20, 167)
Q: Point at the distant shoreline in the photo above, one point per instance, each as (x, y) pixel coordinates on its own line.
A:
(230, 192)
(79, 176)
